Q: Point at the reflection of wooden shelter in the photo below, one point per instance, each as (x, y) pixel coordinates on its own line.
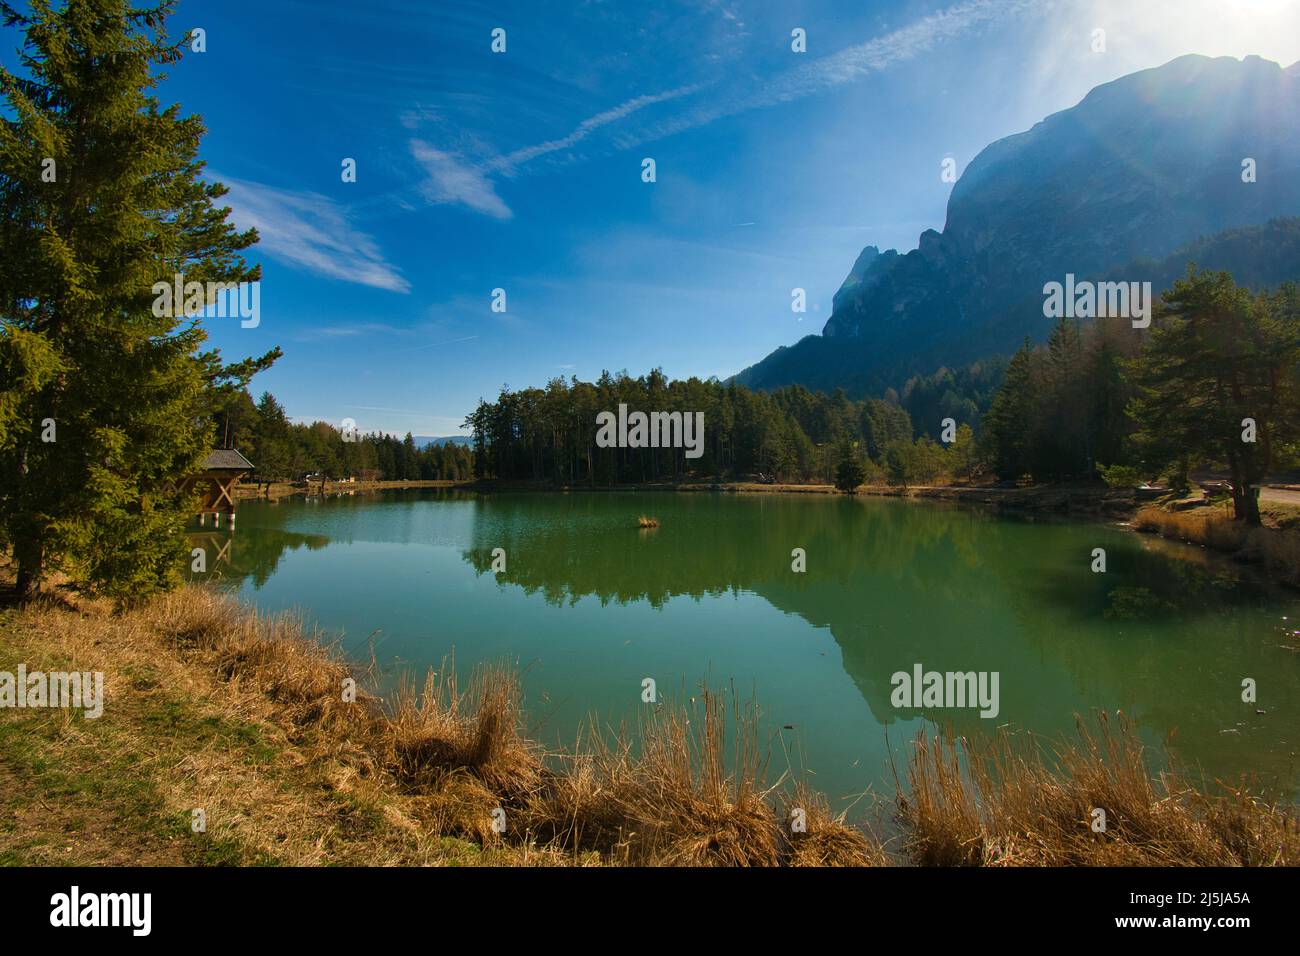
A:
(221, 472)
(220, 542)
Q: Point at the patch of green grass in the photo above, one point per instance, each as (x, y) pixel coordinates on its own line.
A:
(204, 849)
(143, 677)
(358, 816)
(1283, 516)
(174, 719)
(98, 774)
(89, 772)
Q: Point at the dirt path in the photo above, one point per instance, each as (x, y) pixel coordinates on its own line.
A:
(1284, 496)
(285, 489)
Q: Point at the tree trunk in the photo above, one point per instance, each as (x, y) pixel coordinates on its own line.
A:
(1245, 503)
(30, 558)
(1250, 512)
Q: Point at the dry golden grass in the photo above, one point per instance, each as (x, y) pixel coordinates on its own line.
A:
(176, 736)
(439, 730)
(827, 839)
(1007, 802)
(213, 705)
(435, 762)
(304, 677)
(1277, 549)
(1212, 527)
(938, 809)
(683, 804)
(676, 796)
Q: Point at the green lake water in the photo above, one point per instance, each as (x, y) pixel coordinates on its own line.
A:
(590, 605)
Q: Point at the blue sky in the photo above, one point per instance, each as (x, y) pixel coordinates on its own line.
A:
(522, 170)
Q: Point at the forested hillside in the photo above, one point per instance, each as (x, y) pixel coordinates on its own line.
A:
(791, 434)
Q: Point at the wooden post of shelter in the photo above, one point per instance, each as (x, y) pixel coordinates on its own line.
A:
(221, 472)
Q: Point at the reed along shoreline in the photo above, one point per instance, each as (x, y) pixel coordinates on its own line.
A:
(211, 706)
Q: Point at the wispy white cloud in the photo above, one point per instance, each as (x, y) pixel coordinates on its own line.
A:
(828, 72)
(354, 329)
(511, 161)
(454, 180)
(434, 345)
(310, 230)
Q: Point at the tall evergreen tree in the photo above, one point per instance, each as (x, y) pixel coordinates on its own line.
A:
(1216, 380)
(274, 454)
(1007, 424)
(101, 197)
(1059, 429)
(1106, 391)
(849, 472)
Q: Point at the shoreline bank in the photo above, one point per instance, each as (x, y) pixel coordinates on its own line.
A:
(211, 705)
(1276, 548)
(1089, 499)
(275, 490)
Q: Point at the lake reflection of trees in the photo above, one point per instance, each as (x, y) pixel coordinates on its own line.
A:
(1166, 634)
(253, 551)
(572, 546)
(590, 544)
(233, 558)
(1162, 637)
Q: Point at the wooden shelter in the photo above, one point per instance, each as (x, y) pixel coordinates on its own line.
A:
(221, 472)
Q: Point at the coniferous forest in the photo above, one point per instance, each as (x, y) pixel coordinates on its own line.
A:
(284, 449)
(1099, 399)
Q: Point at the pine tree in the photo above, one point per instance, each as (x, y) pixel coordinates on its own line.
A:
(1216, 380)
(963, 459)
(1106, 394)
(849, 473)
(274, 455)
(1058, 431)
(1006, 427)
(101, 197)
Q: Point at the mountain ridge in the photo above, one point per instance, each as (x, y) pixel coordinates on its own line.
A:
(1141, 167)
